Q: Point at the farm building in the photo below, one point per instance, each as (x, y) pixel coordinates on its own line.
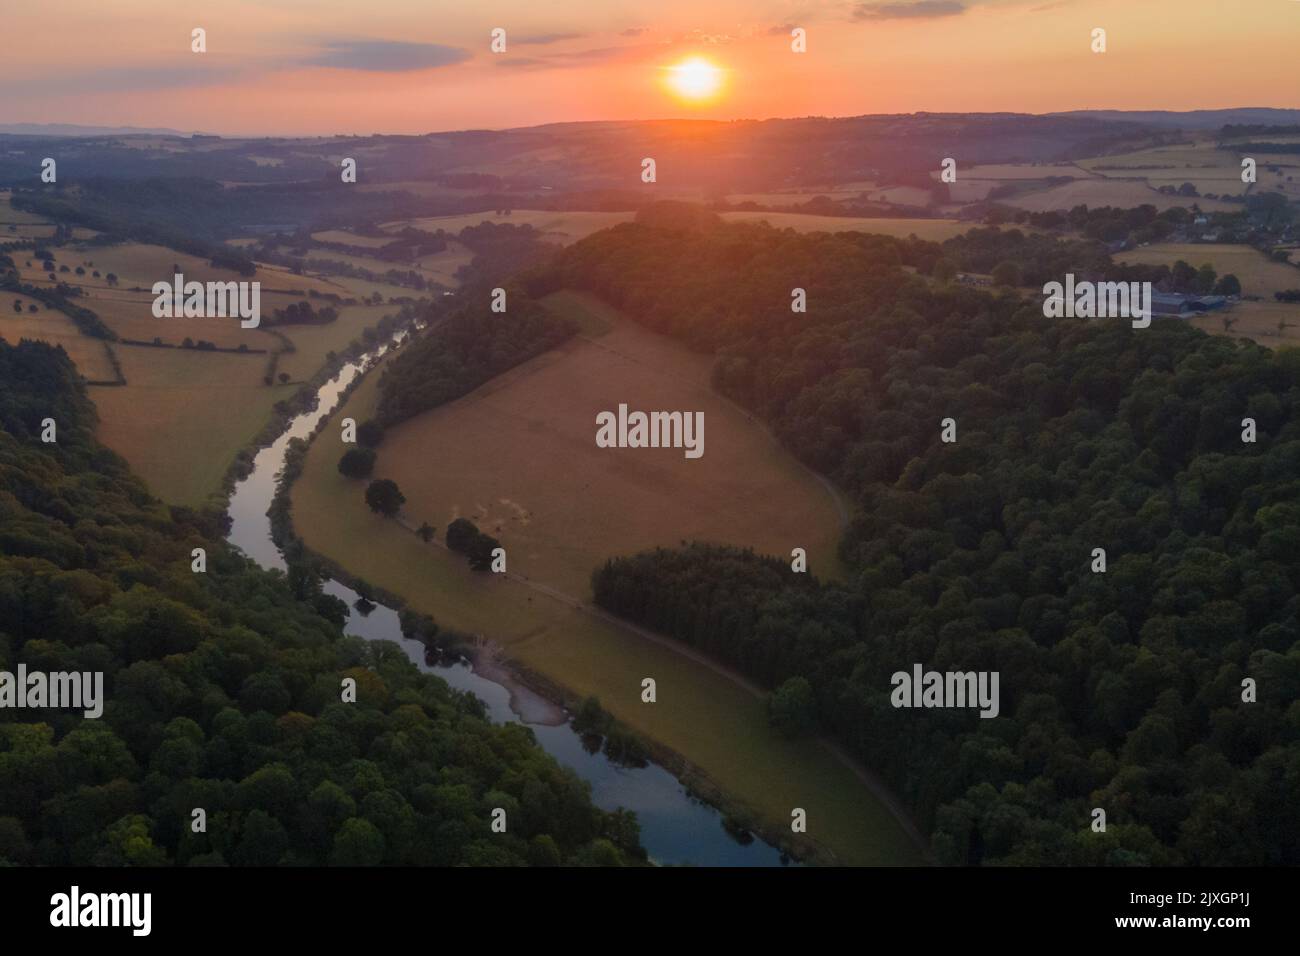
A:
(1177, 303)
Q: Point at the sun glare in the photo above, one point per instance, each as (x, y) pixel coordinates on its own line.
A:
(695, 79)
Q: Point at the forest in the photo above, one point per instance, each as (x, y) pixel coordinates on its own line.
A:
(1124, 689)
(226, 693)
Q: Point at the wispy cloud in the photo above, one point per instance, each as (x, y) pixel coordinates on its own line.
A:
(579, 58)
(918, 10)
(385, 56)
(541, 39)
(633, 32)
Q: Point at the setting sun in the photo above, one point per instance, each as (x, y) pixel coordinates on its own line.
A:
(695, 79)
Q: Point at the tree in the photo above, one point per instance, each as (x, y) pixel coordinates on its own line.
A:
(358, 843)
(461, 535)
(945, 270)
(370, 433)
(425, 532)
(1006, 274)
(1229, 284)
(111, 278)
(384, 497)
(791, 709)
(357, 462)
(284, 378)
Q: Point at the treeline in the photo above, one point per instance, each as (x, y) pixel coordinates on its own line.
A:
(302, 313)
(464, 350)
(59, 298)
(144, 211)
(1120, 689)
(225, 694)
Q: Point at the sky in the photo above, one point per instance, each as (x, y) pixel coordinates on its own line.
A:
(308, 67)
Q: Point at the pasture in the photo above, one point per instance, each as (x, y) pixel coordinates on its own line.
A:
(312, 343)
(90, 355)
(716, 725)
(557, 227)
(184, 415)
(1259, 275)
(936, 230)
(527, 469)
(1109, 192)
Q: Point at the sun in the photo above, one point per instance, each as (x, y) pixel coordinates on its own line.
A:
(695, 79)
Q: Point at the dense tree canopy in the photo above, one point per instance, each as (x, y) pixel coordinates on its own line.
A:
(225, 693)
(1120, 689)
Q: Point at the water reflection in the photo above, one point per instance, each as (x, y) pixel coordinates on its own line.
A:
(676, 828)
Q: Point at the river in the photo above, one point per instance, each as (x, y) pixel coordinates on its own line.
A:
(676, 828)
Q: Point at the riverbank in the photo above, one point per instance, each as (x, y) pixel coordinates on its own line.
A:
(708, 730)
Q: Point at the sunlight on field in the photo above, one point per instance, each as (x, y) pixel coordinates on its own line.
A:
(528, 471)
(935, 230)
(714, 723)
(1259, 275)
(184, 415)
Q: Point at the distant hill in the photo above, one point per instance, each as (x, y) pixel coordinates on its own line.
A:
(72, 129)
(1193, 119)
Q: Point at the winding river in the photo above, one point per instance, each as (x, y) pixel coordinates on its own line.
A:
(676, 828)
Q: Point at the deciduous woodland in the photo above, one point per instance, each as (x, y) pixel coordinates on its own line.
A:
(1120, 689)
(225, 693)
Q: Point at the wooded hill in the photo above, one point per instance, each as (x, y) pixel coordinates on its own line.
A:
(223, 692)
(1121, 690)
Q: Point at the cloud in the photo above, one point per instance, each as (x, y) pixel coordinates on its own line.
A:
(780, 30)
(541, 39)
(917, 10)
(633, 32)
(578, 58)
(385, 56)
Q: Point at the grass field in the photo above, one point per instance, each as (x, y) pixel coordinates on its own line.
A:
(559, 227)
(184, 415)
(527, 469)
(351, 239)
(1272, 324)
(1259, 275)
(711, 721)
(437, 267)
(934, 229)
(313, 342)
(1109, 192)
(88, 354)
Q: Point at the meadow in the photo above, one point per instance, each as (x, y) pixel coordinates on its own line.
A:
(713, 722)
(936, 230)
(1259, 275)
(527, 469)
(184, 415)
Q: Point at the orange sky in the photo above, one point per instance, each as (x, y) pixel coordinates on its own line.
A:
(412, 66)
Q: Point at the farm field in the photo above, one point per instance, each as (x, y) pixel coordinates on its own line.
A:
(437, 267)
(934, 229)
(351, 239)
(48, 325)
(528, 471)
(313, 342)
(1110, 192)
(1271, 324)
(184, 415)
(715, 724)
(559, 227)
(1259, 275)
